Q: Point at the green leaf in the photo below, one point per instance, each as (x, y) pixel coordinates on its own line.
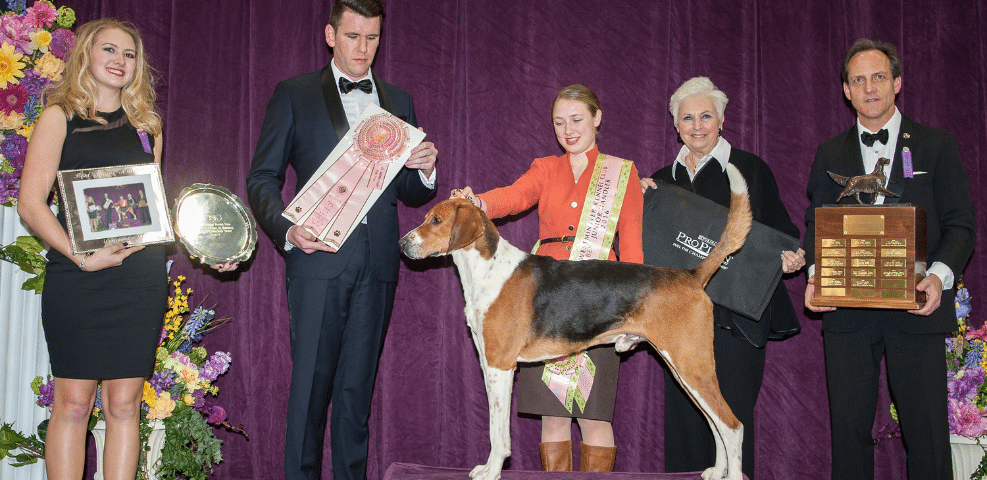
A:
(8, 437)
(34, 283)
(43, 430)
(30, 244)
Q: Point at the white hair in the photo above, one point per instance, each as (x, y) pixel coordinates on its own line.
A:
(694, 87)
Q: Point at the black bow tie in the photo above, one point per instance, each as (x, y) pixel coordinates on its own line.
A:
(365, 85)
(868, 138)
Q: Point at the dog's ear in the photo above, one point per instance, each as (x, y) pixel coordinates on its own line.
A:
(467, 226)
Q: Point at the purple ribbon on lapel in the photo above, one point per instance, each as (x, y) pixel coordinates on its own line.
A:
(144, 141)
(906, 163)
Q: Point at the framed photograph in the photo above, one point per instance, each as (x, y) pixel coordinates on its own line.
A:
(110, 205)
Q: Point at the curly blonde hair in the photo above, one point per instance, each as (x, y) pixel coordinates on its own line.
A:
(76, 93)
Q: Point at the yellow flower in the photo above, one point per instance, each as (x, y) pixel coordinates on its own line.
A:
(11, 122)
(48, 66)
(149, 395)
(10, 65)
(40, 39)
(162, 408)
(27, 130)
(188, 399)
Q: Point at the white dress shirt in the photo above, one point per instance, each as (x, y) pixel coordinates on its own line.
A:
(721, 152)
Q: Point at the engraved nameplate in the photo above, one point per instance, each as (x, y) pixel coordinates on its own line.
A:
(863, 224)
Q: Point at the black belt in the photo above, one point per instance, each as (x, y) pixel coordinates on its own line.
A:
(567, 238)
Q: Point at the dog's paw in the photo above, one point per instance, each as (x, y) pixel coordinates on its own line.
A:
(484, 472)
(714, 473)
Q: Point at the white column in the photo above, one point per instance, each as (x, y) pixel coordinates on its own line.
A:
(23, 352)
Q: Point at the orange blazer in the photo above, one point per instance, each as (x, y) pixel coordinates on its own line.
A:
(550, 184)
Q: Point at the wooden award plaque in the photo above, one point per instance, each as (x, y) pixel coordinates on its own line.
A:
(870, 256)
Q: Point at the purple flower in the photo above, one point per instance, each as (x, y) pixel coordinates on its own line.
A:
(18, 6)
(33, 82)
(15, 31)
(162, 380)
(199, 402)
(61, 40)
(963, 385)
(13, 148)
(217, 365)
(9, 185)
(47, 395)
(966, 419)
(974, 354)
(963, 307)
(196, 322)
(216, 415)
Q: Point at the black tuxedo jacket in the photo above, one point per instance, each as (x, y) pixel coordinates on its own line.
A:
(303, 123)
(940, 186)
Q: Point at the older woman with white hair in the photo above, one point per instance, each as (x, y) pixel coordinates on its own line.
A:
(739, 342)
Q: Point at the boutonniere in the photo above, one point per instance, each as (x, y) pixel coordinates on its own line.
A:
(906, 161)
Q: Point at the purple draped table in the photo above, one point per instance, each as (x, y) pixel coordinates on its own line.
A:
(408, 471)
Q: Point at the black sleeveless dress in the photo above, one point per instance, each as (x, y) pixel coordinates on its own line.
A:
(104, 324)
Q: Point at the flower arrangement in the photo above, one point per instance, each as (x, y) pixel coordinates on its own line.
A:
(33, 42)
(176, 395)
(965, 364)
(965, 368)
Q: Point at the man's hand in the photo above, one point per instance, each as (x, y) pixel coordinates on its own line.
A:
(423, 158)
(304, 240)
(932, 286)
(810, 294)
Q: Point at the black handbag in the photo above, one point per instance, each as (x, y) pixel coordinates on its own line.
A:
(681, 228)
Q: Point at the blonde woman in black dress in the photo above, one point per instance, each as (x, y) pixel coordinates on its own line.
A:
(101, 113)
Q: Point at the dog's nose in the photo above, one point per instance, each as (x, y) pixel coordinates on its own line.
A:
(403, 242)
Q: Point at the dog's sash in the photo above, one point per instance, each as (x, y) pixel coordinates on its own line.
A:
(571, 379)
(601, 209)
(332, 204)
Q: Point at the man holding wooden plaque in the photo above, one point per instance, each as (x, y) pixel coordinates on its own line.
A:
(927, 173)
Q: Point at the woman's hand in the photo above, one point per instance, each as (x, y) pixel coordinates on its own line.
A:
(792, 261)
(467, 193)
(107, 257)
(646, 183)
(225, 267)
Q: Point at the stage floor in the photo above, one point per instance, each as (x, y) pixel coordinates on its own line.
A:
(407, 471)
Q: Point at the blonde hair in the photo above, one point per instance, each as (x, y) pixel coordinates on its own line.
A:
(76, 93)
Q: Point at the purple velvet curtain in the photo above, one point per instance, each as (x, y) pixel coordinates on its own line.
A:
(483, 74)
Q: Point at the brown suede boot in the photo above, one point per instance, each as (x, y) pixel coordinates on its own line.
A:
(556, 456)
(596, 459)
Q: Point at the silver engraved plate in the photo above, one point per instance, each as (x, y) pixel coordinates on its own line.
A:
(214, 224)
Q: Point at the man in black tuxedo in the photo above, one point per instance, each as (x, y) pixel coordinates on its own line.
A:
(340, 303)
(926, 171)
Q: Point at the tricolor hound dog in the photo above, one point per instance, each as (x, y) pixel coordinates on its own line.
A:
(532, 308)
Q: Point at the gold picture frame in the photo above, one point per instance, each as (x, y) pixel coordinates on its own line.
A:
(109, 205)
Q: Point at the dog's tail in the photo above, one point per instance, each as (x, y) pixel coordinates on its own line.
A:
(738, 225)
